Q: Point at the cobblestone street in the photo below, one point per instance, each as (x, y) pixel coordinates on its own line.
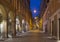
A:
(32, 36)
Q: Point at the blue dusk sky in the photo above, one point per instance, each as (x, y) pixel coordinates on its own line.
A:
(35, 5)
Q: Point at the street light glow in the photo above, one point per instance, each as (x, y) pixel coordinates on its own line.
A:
(34, 11)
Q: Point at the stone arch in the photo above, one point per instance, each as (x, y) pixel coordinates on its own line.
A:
(11, 15)
(3, 25)
(10, 19)
(3, 12)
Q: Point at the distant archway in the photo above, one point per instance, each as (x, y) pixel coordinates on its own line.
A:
(3, 24)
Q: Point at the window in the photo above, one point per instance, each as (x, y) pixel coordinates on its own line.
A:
(47, 1)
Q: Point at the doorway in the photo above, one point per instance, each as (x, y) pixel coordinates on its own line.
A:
(52, 28)
(46, 28)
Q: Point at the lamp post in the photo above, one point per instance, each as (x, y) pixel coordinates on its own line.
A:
(35, 18)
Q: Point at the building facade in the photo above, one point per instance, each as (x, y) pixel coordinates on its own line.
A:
(13, 12)
(52, 18)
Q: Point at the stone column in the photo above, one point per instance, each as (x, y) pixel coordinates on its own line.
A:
(21, 23)
(14, 25)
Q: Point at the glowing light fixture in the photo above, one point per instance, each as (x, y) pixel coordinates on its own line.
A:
(34, 11)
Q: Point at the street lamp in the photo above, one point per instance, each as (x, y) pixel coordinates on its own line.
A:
(34, 11)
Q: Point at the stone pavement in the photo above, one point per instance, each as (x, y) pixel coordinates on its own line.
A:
(32, 36)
